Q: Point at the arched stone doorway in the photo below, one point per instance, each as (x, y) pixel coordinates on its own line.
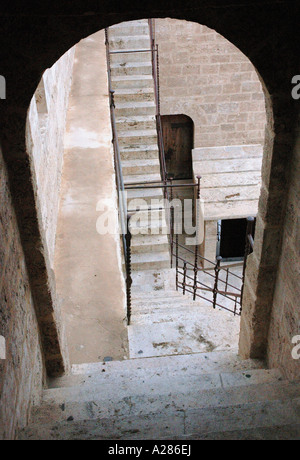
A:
(272, 46)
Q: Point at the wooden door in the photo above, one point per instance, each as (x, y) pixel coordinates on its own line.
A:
(178, 135)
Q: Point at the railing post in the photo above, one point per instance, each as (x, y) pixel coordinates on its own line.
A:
(249, 231)
(128, 270)
(172, 222)
(217, 271)
(172, 233)
(197, 233)
(184, 278)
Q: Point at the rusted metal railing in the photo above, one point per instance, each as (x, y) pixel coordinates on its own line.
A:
(187, 276)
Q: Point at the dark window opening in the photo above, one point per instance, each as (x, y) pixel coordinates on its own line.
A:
(232, 238)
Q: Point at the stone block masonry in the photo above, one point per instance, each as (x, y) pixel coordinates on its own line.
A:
(206, 77)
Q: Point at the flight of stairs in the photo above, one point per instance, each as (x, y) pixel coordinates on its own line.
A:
(198, 396)
(135, 105)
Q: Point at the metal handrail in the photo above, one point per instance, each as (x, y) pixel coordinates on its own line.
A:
(155, 73)
(117, 155)
(123, 212)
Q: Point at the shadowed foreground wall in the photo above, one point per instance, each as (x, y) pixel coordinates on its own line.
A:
(21, 374)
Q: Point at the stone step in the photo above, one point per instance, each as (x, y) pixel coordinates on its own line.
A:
(131, 68)
(135, 108)
(148, 195)
(150, 260)
(147, 217)
(249, 398)
(134, 95)
(134, 23)
(136, 122)
(143, 179)
(194, 364)
(133, 42)
(140, 167)
(150, 244)
(127, 29)
(131, 58)
(142, 228)
(157, 383)
(137, 137)
(131, 81)
(129, 152)
(268, 417)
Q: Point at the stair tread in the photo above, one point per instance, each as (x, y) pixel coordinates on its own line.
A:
(131, 77)
(140, 148)
(137, 133)
(128, 91)
(133, 118)
(199, 381)
(132, 64)
(141, 162)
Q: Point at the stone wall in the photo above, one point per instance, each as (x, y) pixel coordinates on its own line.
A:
(45, 140)
(285, 317)
(204, 76)
(21, 374)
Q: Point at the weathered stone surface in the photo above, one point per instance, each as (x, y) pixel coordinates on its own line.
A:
(207, 78)
(272, 44)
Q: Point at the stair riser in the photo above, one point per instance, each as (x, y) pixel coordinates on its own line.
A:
(136, 141)
(132, 70)
(146, 199)
(151, 265)
(127, 30)
(135, 111)
(136, 83)
(150, 248)
(134, 97)
(136, 125)
(131, 43)
(139, 155)
(154, 230)
(136, 170)
(121, 58)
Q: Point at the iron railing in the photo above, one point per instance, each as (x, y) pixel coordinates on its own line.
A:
(194, 279)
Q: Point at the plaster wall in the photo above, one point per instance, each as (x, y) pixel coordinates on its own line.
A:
(45, 140)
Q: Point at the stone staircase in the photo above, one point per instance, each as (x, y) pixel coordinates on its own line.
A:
(165, 322)
(199, 396)
(134, 96)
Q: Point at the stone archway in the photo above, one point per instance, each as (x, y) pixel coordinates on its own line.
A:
(266, 32)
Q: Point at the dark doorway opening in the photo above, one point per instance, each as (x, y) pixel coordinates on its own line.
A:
(232, 238)
(178, 135)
